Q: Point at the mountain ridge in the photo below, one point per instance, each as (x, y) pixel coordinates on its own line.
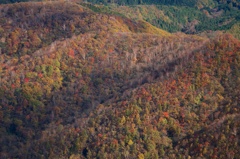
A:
(82, 81)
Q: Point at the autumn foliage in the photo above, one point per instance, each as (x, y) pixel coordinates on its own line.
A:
(80, 84)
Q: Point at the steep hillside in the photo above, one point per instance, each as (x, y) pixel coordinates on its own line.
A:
(193, 112)
(62, 64)
(23, 33)
(82, 81)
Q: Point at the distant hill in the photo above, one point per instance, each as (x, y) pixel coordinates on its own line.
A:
(191, 17)
(204, 16)
(191, 3)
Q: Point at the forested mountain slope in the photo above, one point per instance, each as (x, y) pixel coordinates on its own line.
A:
(181, 18)
(191, 16)
(192, 110)
(82, 81)
(190, 3)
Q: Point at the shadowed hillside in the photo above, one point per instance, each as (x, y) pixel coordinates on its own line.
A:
(193, 112)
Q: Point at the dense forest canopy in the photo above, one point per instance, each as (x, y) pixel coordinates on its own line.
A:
(11, 1)
(86, 80)
(190, 3)
(136, 2)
